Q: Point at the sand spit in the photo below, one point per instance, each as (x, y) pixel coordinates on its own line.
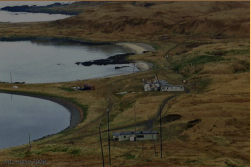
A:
(139, 48)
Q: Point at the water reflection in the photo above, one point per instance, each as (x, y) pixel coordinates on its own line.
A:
(20, 115)
(54, 61)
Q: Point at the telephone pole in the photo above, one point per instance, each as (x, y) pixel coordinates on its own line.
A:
(108, 131)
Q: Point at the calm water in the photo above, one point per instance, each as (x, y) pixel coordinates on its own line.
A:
(15, 17)
(21, 115)
(44, 62)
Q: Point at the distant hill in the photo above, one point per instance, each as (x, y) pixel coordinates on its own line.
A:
(51, 9)
(147, 18)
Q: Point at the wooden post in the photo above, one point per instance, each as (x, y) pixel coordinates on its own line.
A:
(108, 131)
(101, 143)
(158, 82)
(160, 131)
(135, 125)
(153, 140)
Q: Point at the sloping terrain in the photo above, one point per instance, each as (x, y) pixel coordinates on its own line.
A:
(146, 20)
(205, 43)
(179, 17)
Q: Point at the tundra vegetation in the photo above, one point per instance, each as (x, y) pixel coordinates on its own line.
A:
(207, 44)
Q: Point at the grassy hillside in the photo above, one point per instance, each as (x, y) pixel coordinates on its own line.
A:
(207, 44)
(132, 21)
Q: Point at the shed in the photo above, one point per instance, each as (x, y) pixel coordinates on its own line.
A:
(130, 135)
(162, 85)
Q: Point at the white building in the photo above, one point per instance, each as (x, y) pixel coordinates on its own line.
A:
(130, 135)
(162, 85)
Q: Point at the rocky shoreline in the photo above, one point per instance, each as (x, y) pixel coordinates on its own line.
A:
(116, 59)
(63, 39)
(139, 48)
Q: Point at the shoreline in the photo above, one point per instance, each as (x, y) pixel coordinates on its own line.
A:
(139, 48)
(75, 112)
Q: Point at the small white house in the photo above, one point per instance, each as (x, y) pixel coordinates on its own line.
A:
(130, 135)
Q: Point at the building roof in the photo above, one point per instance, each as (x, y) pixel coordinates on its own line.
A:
(132, 132)
(162, 83)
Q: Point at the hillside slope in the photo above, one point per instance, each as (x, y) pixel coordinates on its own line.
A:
(226, 18)
(205, 44)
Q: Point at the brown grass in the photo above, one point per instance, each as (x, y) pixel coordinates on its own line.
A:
(221, 99)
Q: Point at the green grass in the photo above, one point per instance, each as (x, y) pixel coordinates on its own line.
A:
(67, 89)
(245, 51)
(184, 138)
(18, 154)
(50, 148)
(195, 63)
(217, 53)
(126, 104)
(128, 155)
(56, 149)
(232, 51)
(74, 151)
(202, 84)
(191, 161)
(156, 47)
(203, 59)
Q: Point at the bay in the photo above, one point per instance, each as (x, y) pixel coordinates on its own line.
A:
(21, 115)
(50, 61)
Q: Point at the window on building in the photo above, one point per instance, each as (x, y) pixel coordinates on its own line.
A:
(140, 136)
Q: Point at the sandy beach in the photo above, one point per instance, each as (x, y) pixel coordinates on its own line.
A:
(142, 66)
(139, 48)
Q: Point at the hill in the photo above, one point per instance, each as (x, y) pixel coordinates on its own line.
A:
(205, 44)
(198, 18)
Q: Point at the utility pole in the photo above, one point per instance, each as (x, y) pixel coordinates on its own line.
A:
(101, 144)
(135, 125)
(160, 131)
(158, 82)
(153, 140)
(108, 131)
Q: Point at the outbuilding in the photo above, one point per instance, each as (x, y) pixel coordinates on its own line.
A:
(130, 135)
(162, 85)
